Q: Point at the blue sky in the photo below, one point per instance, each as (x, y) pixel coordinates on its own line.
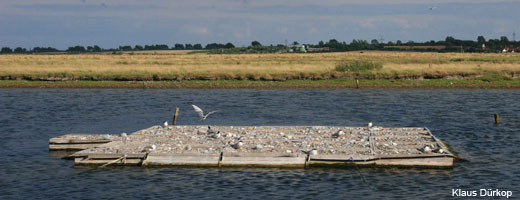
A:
(110, 23)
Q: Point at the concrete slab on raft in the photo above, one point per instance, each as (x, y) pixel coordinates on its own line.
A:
(273, 146)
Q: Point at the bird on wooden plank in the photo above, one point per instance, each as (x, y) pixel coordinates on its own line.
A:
(370, 124)
(148, 149)
(312, 152)
(201, 113)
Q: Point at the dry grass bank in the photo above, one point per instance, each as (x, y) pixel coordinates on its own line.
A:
(182, 66)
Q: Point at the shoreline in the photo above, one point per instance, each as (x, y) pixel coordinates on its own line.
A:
(290, 84)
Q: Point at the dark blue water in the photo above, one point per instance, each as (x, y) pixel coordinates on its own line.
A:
(463, 118)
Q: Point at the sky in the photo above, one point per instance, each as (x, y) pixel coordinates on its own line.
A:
(110, 23)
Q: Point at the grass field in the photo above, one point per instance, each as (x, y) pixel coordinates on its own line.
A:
(182, 65)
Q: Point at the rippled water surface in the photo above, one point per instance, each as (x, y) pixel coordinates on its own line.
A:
(463, 118)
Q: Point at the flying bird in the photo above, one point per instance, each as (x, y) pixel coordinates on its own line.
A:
(433, 7)
(201, 113)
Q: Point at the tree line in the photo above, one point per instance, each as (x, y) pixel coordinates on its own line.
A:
(450, 44)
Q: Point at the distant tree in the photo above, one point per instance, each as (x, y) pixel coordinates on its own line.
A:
(374, 42)
(125, 48)
(255, 43)
(390, 43)
(450, 40)
(504, 40)
(20, 50)
(97, 48)
(229, 45)
(179, 46)
(481, 40)
(6, 50)
(188, 46)
(44, 49)
(197, 46)
(156, 47)
(398, 42)
(76, 49)
(295, 43)
(321, 44)
(138, 48)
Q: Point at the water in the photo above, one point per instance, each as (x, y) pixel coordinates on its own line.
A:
(463, 118)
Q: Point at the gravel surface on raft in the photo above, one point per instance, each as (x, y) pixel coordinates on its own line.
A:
(288, 140)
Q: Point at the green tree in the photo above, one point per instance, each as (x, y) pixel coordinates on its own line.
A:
(125, 48)
(229, 45)
(138, 48)
(255, 43)
(197, 46)
(481, 40)
(6, 50)
(20, 50)
(321, 44)
(178, 46)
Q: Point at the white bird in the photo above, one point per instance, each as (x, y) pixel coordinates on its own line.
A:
(426, 149)
(237, 145)
(370, 124)
(201, 113)
(149, 149)
(337, 134)
(311, 152)
(124, 137)
(165, 124)
(433, 7)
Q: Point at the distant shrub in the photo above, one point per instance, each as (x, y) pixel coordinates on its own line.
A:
(357, 66)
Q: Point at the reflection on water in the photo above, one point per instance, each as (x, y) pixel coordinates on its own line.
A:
(463, 118)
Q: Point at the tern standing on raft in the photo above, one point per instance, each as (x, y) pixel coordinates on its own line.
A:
(201, 113)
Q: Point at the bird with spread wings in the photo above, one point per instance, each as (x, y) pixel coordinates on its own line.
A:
(201, 113)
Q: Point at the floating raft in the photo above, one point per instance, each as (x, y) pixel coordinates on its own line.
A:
(270, 146)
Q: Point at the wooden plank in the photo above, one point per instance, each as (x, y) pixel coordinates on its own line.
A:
(71, 146)
(181, 160)
(267, 154)
(336, 157)
(83, 161)
(341, 163)
(263, 161)
(81, 138)
(417, 162)
(107, 155)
